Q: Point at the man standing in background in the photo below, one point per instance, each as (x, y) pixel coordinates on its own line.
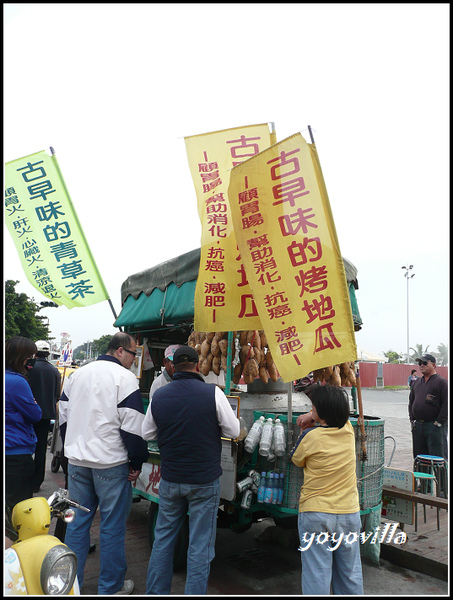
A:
(167, 372)
(45, 383)
(428, 410)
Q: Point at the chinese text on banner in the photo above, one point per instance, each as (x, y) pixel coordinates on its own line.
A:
(223, 300)
(43, 224)
(288, 243)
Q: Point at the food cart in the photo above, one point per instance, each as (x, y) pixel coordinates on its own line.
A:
(158, 308)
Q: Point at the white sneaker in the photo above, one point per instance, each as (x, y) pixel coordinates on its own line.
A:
(128, 588)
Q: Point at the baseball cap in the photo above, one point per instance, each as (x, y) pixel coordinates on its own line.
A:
(427, 357)
(185, 354)
(169, 352)
(42, 346)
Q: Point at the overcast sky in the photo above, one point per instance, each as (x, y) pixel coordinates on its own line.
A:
(114, 88)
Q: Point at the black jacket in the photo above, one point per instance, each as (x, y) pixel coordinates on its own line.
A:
(45, 383)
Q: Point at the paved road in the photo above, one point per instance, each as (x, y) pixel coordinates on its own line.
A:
(392, 407)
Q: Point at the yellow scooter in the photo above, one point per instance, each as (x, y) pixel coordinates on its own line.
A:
(38, 563)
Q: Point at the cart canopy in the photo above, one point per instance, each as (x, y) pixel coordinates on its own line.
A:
(163, 296)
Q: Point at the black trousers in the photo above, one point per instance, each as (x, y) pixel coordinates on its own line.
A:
(19, 470)
(428, 438)
(42, 432)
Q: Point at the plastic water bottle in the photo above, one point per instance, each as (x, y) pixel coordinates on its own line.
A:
(266, 438)
(271, 456)
(262, 487)
(269, 491)
(279, 438)
(275, 489)
(254, 435)
(281, 488)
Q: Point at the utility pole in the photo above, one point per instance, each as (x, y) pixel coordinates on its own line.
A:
(407, 276)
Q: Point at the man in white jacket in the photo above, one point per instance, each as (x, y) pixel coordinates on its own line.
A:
(101, 416)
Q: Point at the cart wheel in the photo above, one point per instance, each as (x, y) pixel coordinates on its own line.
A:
(182, 541)
(55, 466)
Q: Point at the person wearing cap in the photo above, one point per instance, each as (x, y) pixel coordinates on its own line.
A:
(167, 372)
(101, 415)
(428, 410)
(45, 383)
(188, 417)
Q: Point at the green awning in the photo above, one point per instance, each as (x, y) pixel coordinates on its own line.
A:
(176, 306)
(354, 307)
(177, 270)
(163, 296)
(172, 307)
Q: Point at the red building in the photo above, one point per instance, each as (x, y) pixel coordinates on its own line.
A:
(373, 374)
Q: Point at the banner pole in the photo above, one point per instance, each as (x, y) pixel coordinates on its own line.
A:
(229, 362)
(311, 135)
(360, 421)
(113, 311)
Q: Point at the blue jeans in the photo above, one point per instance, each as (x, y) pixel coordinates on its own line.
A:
(321, 567)
(202, 503)
(111, 491)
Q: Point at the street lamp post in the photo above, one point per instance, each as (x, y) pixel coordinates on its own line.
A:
(407, 276)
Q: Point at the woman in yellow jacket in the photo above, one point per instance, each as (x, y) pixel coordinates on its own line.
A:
(329, 511)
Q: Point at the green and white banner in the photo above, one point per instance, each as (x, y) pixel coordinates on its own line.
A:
(43, 223)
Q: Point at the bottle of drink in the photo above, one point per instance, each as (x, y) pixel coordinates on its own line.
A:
(271, 456)
(279, 438)
(281, 488)
(266, 438)
(254, 435)
(262, 487)
(269, 491)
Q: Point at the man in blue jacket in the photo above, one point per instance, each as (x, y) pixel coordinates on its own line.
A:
(188, 417)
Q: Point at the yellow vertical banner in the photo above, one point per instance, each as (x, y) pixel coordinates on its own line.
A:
(223, 299)
(288, 243)
(47, 234)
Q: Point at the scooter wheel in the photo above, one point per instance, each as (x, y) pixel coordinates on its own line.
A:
(55, 466)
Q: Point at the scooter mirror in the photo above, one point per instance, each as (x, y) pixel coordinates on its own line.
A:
(69, 515)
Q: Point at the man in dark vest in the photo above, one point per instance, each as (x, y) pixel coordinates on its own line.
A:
(428, 410)
(45, 383)
(188, 417)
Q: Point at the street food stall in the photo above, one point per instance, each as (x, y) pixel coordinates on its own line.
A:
(158, 308)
